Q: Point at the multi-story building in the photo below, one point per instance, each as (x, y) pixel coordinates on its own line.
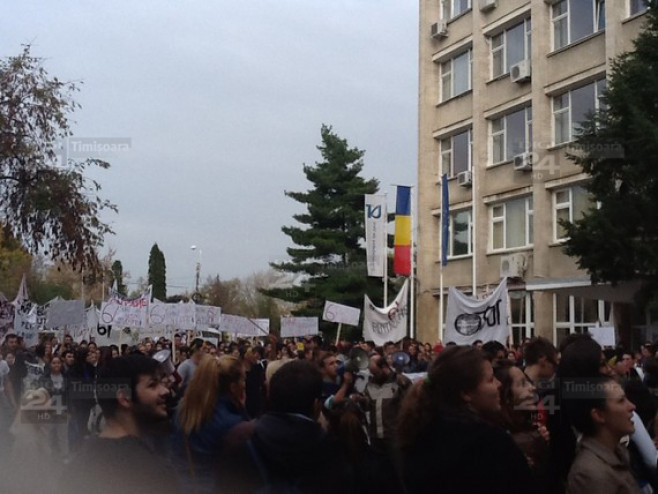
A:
(503, 86)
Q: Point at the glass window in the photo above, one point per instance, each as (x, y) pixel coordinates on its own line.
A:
(511, 224)
(511, 135)
(637, 6)
(578, 315)
(456, 153)
(573, 107)
(456, 76)
(453, 8)
(510, 47)
(569, 205)
(576, 19)
(460, 233)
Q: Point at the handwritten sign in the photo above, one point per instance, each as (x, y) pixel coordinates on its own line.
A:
(299, 326)
(338, 313)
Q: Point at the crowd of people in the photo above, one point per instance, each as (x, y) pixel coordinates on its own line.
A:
(300, 415)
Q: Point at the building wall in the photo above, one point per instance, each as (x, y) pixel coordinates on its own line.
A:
(553, 72)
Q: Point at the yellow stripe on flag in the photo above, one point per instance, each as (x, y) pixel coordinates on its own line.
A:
(402, 230)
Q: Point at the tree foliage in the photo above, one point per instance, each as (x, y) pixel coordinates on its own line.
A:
(157, 273)
(328, 255)
(48, 206)
(618, 147)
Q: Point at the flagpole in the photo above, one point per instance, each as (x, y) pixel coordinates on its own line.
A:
(412, 293)
(386, 251)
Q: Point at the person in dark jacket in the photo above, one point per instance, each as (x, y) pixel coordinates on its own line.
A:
(288, 451)
(443, 438)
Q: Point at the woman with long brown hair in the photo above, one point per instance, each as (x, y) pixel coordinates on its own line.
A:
(213, 405)
(443, 438)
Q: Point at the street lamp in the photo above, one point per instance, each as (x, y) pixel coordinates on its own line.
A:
(196, 296)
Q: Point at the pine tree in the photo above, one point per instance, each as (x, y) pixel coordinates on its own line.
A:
(158, 273)
(328, 255)
(618, 147)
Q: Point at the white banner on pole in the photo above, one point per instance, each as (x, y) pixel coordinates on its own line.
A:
(375, 226)
(469, 319)
(389, 323)
(122, 312)
(299, 326)
(207, 316)
(239, 325)
(604, 335)
(338, 313)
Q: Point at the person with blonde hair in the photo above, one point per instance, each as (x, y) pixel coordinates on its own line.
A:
(213, 405)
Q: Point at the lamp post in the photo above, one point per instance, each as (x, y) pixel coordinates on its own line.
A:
(196, 295)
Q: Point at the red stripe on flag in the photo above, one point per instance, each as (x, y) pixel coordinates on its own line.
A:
(402, 260)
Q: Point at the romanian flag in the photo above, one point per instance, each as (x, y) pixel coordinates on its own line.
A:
(402, 240)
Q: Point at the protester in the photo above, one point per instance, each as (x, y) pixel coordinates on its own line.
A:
(288, 451)
(211, 407)
(187, 368)
(119, 460)
(445, 441)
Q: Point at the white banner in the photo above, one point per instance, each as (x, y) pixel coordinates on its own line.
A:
(338, 313)
(65, 313)
(186, 317)
(376, 233)
(122, 312)
(604, 336)
(389, 323)
(240, 326)
(25, 317)
(299, 326)
(208, 316)
(469, 319)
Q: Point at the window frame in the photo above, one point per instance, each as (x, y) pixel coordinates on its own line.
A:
(640, 10)
(450, 152)
(504, 134)
(568, 205)
(448, 9)
(572, 325)
(528, 215)
(598, 8)
(451, 240)
(598, 104)
(527, 47)
(447, 70)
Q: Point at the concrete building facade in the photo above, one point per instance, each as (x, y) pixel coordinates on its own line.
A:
(502, 87)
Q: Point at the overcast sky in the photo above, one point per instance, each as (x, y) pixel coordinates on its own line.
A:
(223, 102)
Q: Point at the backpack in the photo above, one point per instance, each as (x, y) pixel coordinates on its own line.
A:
(272, 485)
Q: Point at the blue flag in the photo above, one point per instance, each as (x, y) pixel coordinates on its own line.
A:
(445, 219)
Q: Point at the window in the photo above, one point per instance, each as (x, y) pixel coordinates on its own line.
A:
(453, 8)
(511, 134)
(637, 6)
(522, 315)
(456, 152)
(456, 75)
(577, 315)
(461, 243)
(510, 47)
(511, 224)
(573, 107)
(569, 205)
(576, 19)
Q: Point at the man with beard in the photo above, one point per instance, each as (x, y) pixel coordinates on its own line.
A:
(133, 399)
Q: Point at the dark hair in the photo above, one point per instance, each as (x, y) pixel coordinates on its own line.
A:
(259, 350)
(537, 348)
(457, 369)
(591, 394)
(581, 358)
(491, 349)
(123, 373)
(295, 387)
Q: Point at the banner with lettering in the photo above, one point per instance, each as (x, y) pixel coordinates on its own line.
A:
(65, 313)
(376, 225)
(123, 312)
(470, 319)
(25, 317)
(389, 323)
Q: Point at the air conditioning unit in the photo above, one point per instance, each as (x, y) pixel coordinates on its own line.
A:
(439, 30)
(512, 266)
(465, 179)
(523, 162)
(521, 71)
(486, 5)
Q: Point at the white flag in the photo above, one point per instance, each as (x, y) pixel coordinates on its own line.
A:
(376, 222)
(389, 323)
(469, 319)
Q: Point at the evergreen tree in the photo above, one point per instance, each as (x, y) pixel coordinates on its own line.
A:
(157, 273)
(117, 276)
(328, 255)
(618, 147)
